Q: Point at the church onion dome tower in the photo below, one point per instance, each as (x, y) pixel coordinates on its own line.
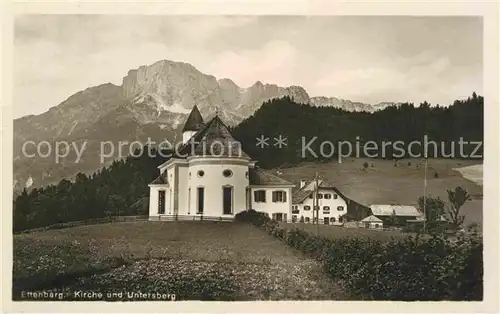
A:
(193, 124)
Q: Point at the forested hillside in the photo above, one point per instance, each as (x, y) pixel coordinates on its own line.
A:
(406, 123)
(115, 190)
(122, 188)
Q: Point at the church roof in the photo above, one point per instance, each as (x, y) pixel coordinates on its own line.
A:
(194, 121)
(261, 177)
(213, 139)
(161, 179)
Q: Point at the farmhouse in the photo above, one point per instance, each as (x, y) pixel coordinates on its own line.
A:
(372, 222)
(211, 177)
(395, 214)
(332, 205)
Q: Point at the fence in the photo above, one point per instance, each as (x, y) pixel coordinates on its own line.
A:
(111, 219)
(189, 218)
(93, 221)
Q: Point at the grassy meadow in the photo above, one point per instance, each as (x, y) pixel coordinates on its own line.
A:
(339, 232)
(384, 183)
(194, 260)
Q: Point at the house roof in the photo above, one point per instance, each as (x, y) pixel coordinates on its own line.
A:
(399, 210)
(371, 219)
(262, 177)
(161, 179)
(194, 121)
(326, 185)
(301, 194)
(213, 139)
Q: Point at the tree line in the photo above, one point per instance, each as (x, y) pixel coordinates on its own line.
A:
(122, 188)
(119, 189)
(404, 123)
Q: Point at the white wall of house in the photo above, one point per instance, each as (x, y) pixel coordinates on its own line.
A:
(269, 206)
(184, 179)
(337, 205)
(213, 181)
(153, 199)
(182, 192)
(374, 225)
(171, 181)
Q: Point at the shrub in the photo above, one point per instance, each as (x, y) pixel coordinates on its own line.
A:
(252, 216)
(407, 270)
(473, 227)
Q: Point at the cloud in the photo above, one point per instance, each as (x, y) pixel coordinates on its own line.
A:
(412, 79)
(200, 30)
(274, 63)
(370, 59)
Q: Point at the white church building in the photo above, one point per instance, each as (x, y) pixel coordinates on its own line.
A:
(210, 177)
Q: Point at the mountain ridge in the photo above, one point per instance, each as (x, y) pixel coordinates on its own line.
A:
(152, 98)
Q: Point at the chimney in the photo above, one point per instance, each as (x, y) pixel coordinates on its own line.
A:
(302, 183)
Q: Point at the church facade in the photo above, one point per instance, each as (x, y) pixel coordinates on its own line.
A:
(211, 177)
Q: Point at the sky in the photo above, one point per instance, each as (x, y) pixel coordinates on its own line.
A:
(369, 59)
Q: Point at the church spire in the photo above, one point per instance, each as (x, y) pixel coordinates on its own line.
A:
(194, 121)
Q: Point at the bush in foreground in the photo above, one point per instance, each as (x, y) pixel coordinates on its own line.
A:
(408, 269)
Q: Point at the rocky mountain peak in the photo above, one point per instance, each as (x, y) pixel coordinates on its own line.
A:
(153, 99)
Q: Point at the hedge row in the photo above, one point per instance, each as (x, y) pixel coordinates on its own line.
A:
(405, 269)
